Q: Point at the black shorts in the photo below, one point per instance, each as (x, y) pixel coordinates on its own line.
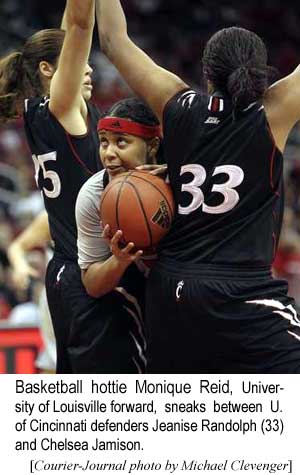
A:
(210, 319)
(103, 335)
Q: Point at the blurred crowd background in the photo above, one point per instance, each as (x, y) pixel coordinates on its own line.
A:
(174, 33)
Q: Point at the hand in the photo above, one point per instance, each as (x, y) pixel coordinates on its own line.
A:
(159, 170)
(124, 254)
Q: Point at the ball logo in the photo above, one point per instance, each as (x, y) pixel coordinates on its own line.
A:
(179, 290)
(161, 216)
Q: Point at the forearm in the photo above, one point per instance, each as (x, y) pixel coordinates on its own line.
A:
(111, 17)
(16, 255)
(148, 80)
(102, 277)
(79, 13)
(37, 234)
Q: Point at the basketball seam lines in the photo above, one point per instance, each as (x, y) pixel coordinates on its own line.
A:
(105, 193)
(141, 204)
(117, 203)
(157, 188)
(143, 211)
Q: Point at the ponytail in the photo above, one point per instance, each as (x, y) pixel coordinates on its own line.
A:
(11, 79)
(235, 61)
(19, 72)
(246, 85)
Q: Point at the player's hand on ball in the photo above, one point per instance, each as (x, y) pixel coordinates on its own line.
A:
(159, 170)
(124, 254)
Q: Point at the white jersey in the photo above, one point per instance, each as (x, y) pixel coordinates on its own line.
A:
(92, 247)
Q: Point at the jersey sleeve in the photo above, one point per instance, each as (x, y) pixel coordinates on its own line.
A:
(92, 247)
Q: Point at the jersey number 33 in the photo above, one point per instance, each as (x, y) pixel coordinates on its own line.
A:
(227, 189)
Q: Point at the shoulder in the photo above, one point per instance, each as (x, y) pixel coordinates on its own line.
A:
(90, 194)
(185, 104)
(94, 184)
(185, 99)
(36, 108)
(93, 110)
(35, 104)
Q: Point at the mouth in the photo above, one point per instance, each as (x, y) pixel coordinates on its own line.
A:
(114, 169)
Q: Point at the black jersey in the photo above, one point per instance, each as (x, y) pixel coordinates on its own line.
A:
(226, 175)
(62, 164)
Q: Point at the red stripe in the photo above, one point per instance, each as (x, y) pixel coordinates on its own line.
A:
(2, 362)
(215, 104)
(271, 166)
(271, 156)
(76, 155)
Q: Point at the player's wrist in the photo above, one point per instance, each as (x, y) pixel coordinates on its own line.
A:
(121, 261)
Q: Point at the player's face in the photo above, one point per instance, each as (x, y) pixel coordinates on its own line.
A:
(87, 87)
(121, 152)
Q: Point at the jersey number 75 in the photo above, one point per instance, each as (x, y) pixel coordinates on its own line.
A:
(40, 163)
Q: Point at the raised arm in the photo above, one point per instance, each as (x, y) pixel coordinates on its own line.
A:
(37, 234)
(282, 106)
(64, 25)
(148, 80)
(66, 84)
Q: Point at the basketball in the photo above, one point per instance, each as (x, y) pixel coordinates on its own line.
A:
(141, 205)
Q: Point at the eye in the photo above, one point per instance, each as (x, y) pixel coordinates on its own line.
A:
(103, 142)
(122, 141)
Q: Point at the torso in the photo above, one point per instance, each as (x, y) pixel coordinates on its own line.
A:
(226, 175)
(62, 164)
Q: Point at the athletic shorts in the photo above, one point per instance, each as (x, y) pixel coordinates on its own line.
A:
(209, 319)
(103, 335)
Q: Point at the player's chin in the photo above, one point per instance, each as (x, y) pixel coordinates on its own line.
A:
(87, 92)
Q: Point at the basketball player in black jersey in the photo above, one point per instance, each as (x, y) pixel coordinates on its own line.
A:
(212, 303)
(50, 81)
(52, 75)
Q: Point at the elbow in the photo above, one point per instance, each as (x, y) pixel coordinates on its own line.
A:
(92, 292)
(90, 287)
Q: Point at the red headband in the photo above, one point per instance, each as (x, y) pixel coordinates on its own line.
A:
(114, 124)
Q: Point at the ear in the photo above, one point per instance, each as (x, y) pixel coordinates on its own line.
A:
(153, 146)
(46, 69)
(210, 87)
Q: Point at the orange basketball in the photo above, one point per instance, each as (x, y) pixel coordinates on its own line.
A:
(141, 205)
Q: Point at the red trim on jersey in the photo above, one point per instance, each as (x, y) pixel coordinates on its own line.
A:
(115, 124)
(215, 104)
(271, 166)
(272, 157)
(78, 159)
(274, 245)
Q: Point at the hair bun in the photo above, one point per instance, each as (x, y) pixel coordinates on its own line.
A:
(246, 84)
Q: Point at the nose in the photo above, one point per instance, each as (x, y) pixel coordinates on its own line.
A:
(109, 153)
(88, 69)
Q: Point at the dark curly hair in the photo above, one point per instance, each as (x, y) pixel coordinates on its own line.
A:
(235, 61)
(135, 109)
